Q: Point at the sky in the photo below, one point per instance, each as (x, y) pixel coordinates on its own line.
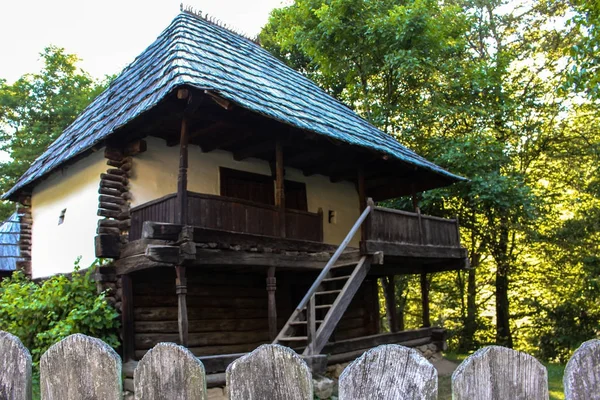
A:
(108, 34)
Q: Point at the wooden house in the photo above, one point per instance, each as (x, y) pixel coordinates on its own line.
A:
(236, 200)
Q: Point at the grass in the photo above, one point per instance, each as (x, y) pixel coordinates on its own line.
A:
(555, 376)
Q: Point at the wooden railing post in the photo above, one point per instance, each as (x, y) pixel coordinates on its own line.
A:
(272, 305)
(182, 316)
(311, 325)
(182, 176)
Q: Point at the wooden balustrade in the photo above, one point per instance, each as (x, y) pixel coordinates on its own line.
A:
(395, 226)
(229, 214)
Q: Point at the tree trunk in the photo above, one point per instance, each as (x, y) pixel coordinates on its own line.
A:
(467, 340)
(501, 256)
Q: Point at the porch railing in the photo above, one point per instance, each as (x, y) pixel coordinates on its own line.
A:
(395, 226)
(229, 214)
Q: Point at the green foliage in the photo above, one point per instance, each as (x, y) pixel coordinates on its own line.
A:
(43, 314)
(36, 108)
(472, 86)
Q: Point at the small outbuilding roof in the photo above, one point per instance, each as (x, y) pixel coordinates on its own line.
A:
(9, 243)
(193, 51)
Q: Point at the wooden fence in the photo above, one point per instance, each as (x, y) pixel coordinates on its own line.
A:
(81, 367)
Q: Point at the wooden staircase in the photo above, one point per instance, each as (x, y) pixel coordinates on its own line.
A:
(314, 320)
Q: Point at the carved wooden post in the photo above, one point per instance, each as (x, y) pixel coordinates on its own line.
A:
(496, 372)
(270, 372)
(80, 367)
(182, 317)
(169, 371)
(182, 176)
(389, 288)
(582, 375)
(272, 305)
(15, 368)
(280, 186)
(425, 299)
(389, 372)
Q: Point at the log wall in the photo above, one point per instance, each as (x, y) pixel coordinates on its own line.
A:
(227, 311)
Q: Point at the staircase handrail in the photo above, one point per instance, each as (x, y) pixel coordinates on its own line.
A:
(335, 257)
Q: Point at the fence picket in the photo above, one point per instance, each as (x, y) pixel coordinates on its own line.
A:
(15, 368)
(270, 372)
(582, 375)
(389, 372)
(169, 371)
(495, 373)
(80, 367)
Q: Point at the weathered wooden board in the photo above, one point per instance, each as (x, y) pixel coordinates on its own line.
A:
(582, 375)
(167, 372)
(80, 367)
(15, 368)
(270, 372)
(389, 372)
(498, 373)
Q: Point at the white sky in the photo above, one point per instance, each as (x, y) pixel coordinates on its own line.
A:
(108, 34)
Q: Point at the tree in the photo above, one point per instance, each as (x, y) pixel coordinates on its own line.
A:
(36, 108)
(468, 84)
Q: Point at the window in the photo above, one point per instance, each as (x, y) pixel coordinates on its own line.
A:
(261, 189)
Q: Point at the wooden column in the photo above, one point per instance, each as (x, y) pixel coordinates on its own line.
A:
(182, 317)
(272, 304)
(127, 318)
(425, 299)
(311, 325)
(280, 186)
(182, 200)
(389, 288)
(362, 199)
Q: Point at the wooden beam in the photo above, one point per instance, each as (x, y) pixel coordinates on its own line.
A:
(127, 318)
(182, 315)
(391, 249)
(182, 200)
(272, 305)
(280, 186)
(425, 300)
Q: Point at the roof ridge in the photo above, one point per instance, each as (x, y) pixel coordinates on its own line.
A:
(189, 10)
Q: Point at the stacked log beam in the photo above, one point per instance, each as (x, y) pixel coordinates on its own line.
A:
(113, 200)
(25, 225)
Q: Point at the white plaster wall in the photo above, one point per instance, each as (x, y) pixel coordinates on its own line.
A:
(74, 188)
(155, 175)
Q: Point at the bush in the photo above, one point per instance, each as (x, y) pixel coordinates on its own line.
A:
(43, 314)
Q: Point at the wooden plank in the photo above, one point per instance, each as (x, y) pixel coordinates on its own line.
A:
(391, 249)
(582, 374)
(366, 342)
(169, 371)
(127, 318)
(148, 340)
(496, 372)
(283, 376)
(80, 367)
(170, 313)
(15, 368)
(389, 372)
(205, 325)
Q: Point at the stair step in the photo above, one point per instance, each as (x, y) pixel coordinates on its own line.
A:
(293, 339)
(328, 292)
(324, 306)
(319, 321)
(337, 278)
